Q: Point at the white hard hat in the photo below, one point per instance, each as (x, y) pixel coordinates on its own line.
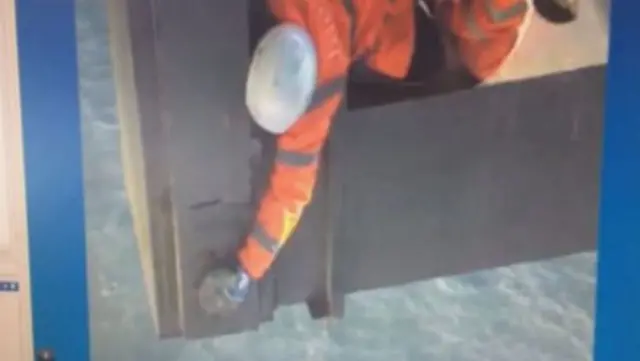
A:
(282, 78)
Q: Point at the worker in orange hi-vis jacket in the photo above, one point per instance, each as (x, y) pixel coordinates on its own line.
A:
(296, 81)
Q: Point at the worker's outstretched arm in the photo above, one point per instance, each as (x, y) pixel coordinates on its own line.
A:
(291, 185)
(295, 169)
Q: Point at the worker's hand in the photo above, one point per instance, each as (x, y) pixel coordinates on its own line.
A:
(239, 288)
(223, 290)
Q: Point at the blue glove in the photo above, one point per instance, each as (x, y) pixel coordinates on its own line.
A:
(238, 290)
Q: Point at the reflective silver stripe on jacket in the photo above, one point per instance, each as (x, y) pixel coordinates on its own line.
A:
(267, 242)
(501, 15)
(326, 91)
(496, 15)
(295, 159)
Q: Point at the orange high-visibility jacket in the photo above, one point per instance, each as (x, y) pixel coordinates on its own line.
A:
(382, 33)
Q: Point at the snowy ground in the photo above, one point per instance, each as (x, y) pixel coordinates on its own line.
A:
(540, 311)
